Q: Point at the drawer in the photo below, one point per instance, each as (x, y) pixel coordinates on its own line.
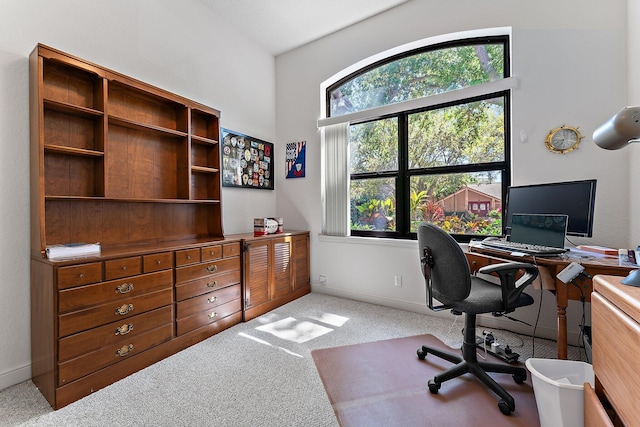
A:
(230, 249)
(206, 284)
(594, 413)
(123, 267)
(476, 262)
(112, 334)
(187, 257)
(112, 353)
(615, 344)
(206, 269)
(77, 275)
(157, 262)
(118, 291)
(82, 320)
(207, 301)
(211, 252)
(206, 317)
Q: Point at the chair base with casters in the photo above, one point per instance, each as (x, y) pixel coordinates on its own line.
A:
(449, 281)
(468, 363)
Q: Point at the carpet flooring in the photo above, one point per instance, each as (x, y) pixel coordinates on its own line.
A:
(261, 373)
(383, 383)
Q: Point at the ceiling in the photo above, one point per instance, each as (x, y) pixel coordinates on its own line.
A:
(282, 25)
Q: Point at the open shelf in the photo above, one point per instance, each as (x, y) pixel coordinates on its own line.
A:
(106, 140)
(202, 140)
(65, 107)
(202, 169)
(119, 121)
(60, 149)
(68, 86)
(146, 108)
(50, 197)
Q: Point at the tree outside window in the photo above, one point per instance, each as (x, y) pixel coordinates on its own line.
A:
(447, 163)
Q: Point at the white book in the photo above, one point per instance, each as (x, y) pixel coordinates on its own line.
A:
(72, 250)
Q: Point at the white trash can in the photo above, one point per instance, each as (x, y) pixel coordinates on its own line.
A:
(558, 386)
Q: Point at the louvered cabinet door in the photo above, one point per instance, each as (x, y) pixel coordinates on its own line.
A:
(276, 271)
(257, 273)
(282, 266)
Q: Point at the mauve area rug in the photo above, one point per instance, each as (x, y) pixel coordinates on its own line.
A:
(383, 383)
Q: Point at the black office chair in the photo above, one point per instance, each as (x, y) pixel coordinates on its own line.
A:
(449, 281)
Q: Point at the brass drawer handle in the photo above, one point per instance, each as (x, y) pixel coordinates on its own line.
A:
(212, 315)
(212, 299)
(124, 267)
(212, 268)
(158, 262)
(212, 284)
(124, 288)
(124, 329)
(124, 309)
(124, 350)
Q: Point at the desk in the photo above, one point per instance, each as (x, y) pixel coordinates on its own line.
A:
(479, 257)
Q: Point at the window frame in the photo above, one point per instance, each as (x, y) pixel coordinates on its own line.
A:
(403, 174)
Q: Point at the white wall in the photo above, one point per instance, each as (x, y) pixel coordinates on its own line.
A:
(570, 57)
(182, 47)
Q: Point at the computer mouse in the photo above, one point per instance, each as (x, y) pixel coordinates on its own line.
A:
(488, 239)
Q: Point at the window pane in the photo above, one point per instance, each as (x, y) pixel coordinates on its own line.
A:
(461, 134)
(373, 204)
(469, 203)
(424, 74)
(374, 146)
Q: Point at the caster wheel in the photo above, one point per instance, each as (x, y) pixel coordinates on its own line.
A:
(504, 407)
(519, 379)
(421, 353)
(433, 387)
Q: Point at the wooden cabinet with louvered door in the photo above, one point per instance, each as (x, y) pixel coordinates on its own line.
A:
(208, 286)
(276, 271)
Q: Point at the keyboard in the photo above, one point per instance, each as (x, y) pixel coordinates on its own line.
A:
(523, 247)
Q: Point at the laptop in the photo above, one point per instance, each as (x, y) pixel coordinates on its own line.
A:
(539, 229)
(535, 234)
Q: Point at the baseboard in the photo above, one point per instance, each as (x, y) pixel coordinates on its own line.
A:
(486, 321)
(379, 300)
(16, 376)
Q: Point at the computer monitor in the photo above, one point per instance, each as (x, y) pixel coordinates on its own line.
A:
(576, 199)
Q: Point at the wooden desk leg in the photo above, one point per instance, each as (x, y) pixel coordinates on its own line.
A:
(562, 332)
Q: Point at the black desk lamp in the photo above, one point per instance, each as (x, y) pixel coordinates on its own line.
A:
(618, 132)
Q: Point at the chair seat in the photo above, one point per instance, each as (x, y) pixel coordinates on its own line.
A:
(486, 297)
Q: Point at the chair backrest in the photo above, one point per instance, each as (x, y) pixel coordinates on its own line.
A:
(450, 274)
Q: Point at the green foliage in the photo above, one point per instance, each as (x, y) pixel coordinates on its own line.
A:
(424, 74)
(374, 214)
(468, 223)
(455, 135)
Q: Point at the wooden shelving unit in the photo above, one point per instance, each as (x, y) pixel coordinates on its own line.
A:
(135, 168)
(98, 138)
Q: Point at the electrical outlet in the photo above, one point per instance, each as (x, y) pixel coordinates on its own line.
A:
(322, 280)
(398, 281)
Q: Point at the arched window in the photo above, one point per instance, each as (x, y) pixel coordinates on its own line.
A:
(428, 138)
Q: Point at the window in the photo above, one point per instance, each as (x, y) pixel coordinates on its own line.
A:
(446, 162)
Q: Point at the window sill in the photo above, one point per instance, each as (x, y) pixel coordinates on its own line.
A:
(377, 241)
(374, 241)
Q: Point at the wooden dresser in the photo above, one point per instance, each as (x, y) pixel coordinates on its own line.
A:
(615, 313)
(136, 168)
